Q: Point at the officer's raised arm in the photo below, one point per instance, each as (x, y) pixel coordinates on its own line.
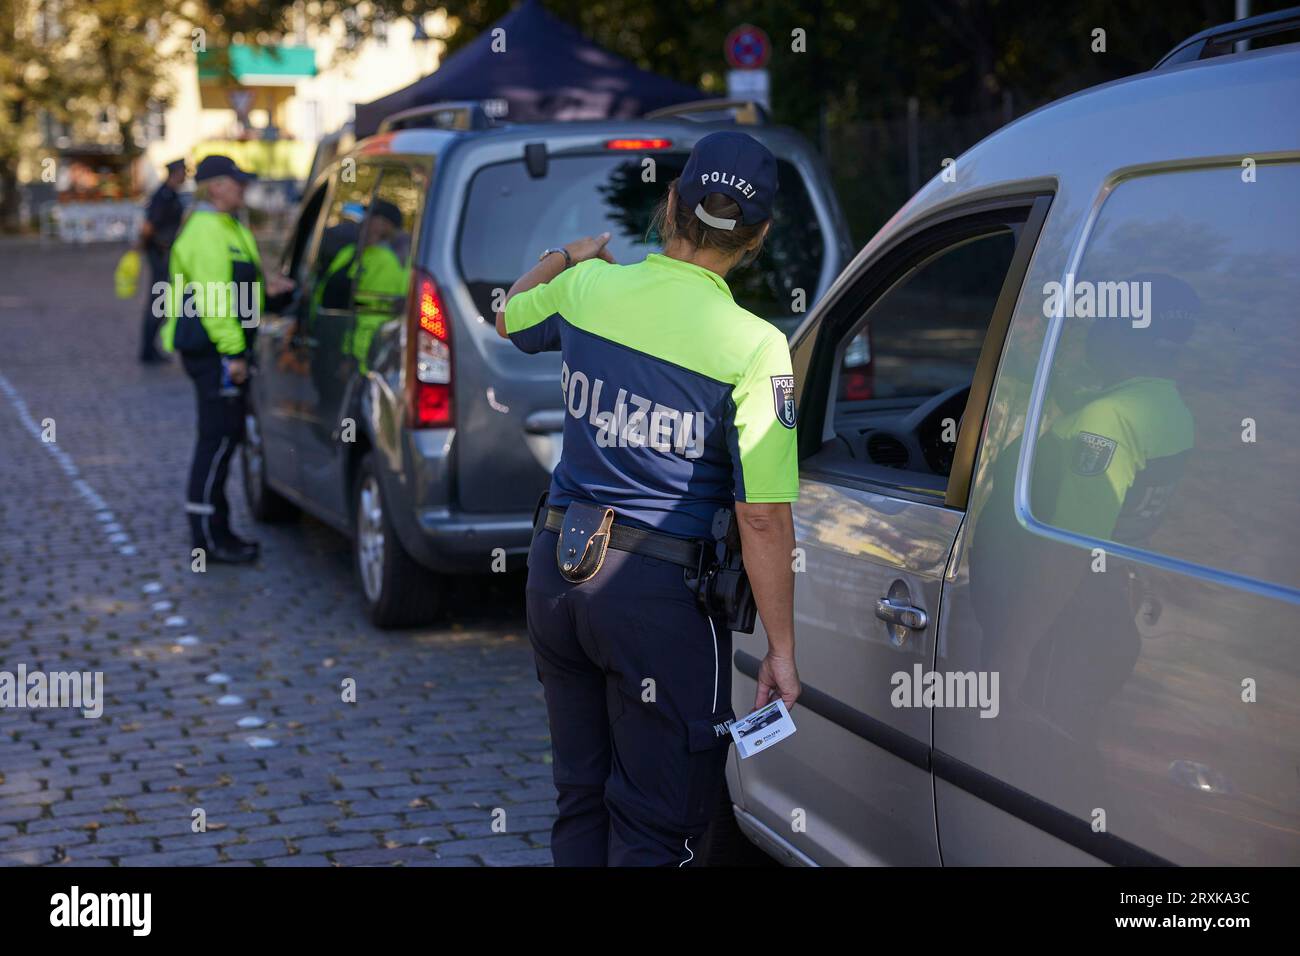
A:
(549, 265)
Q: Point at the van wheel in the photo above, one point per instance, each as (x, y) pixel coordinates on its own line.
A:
(398, 592)
(266, 504)
(724, 843)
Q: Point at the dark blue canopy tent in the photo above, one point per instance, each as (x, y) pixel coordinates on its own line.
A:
(549, 71)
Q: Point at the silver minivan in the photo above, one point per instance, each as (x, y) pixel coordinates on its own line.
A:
(1048, 608)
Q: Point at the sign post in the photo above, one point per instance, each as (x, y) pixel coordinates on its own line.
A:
(241, 101)
(747, 50)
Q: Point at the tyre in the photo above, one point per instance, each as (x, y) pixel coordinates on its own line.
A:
(397, 591)
(724, 843)
(266, 504)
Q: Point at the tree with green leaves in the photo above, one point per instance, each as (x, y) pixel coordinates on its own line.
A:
(835, 64)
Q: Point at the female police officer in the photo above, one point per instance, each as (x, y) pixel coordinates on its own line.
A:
(679, 402)
(213, 305)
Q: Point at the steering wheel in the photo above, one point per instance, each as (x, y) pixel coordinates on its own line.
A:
(925, 425)
(921, 432)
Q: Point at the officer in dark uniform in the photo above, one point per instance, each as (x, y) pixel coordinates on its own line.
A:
(679, 404)
(162, 221)
(216, 295)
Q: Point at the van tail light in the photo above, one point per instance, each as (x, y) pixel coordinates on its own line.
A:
(857, 384)
(858, 377)
(638, 144)
(428, 370)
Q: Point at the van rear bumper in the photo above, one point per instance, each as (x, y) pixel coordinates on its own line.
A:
(432, 528)
(458, 542)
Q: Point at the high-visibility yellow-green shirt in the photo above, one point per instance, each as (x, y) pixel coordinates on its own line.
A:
(379, 272)
(1109, 469)
(215, 276)
(679, 401)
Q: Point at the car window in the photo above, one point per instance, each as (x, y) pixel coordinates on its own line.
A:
(300, 245)
(905, 363)
(386, 238)
(924, 336)
(380, 270)
(511, 217)
(354, 184)
(1169, 420)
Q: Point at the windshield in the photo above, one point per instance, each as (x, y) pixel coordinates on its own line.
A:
(511, 217)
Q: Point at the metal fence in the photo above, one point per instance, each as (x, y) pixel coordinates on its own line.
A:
(878, 165)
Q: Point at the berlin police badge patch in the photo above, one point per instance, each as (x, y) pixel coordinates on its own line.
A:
(1092, 454)
(783, 399)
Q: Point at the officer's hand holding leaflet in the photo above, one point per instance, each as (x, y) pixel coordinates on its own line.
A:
(767, 540)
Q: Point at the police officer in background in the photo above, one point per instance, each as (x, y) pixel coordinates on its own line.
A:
(162, 221)
(213, 303)
(376, 272)
(342, 233)
(679, 403)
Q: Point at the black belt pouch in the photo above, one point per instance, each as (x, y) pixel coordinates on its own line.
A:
(584, 541)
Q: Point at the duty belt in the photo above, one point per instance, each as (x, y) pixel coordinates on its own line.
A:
(651, 544)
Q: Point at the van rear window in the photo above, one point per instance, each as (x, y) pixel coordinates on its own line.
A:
(511, 217)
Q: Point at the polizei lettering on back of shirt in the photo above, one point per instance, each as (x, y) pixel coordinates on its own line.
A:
(633, 421)
(729, 179)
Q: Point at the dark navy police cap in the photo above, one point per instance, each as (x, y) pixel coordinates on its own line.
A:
(210, 167)
(736, 165)
(386, 210)
(176, 166)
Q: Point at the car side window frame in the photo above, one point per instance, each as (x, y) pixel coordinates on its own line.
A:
(419, 177)
(306, 253)
(361, 162)
(1023, 506)
(816, 350)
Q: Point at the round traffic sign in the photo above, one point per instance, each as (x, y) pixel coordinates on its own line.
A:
(747, 48)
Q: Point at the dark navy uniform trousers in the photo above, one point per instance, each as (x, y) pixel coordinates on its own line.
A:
(158, 260)
(221, 429)
(638, 693)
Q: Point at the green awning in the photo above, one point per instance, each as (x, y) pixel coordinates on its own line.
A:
(264, 65)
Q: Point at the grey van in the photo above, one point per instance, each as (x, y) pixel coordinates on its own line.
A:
(386, 405)
(1049, 522)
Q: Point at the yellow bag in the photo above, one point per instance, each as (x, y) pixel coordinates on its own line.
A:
(127, 276)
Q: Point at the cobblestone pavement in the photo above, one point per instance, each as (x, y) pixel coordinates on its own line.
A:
(222, 689)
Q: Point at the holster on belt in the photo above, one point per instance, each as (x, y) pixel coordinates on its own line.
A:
(584, 540)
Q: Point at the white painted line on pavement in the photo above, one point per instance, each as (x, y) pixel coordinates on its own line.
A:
(114, 533)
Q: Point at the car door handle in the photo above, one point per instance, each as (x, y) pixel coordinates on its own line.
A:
(901, 615)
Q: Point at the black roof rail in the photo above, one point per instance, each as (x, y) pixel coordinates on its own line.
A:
(1221, 40)
(744, 112)
(453, 114)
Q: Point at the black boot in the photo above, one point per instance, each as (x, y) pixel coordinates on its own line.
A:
(226, 549)
(245, 552)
